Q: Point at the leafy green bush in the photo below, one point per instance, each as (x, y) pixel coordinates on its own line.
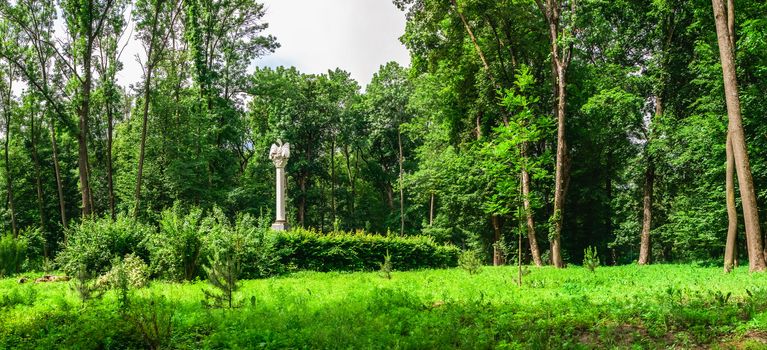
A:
(590, 258)
(132, 269)
(13, 253)
(177, 248)
(247, 241)
(94, 243)
(311, 250)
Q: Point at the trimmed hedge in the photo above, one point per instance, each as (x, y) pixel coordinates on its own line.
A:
(310, 250)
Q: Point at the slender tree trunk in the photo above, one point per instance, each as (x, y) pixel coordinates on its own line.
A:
(38, 178)
(401, 184)
(147, 88)
(333, 181)
(57, 171)
(644, 245)
(302, 200)
(730, 253)
(560, 175)
(8, 176)
(737, 136)
(732, 211)
(497, 252)
(110, 181)
(530, 222)
(431, 209)
(82, 137)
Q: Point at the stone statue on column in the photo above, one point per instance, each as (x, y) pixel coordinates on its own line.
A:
(279, 154)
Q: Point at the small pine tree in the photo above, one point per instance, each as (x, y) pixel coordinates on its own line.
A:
(590, 258)
(470, 262)
(86, 287)
(386, 266)
(222, 275)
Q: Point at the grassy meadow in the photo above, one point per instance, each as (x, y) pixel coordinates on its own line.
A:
(661, 306)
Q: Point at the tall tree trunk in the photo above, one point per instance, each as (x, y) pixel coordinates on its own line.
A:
(644, 245)
(8, 176)
(730, 253)
(57, 171)
(147, 89)
(530, 222)
(401, 184)
(333, 181)
(737, 136)
(82, 137)
(110, 181)
(38, 178)
(560, 175)
(732, 211)
(431, 209)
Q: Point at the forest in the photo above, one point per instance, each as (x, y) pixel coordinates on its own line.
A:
(540, 133)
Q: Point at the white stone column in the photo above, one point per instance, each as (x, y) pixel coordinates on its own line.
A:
(279, 154)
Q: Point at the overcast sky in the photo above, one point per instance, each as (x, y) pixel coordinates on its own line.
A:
(317, 35)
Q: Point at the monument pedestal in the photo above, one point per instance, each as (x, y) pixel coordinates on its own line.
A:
(280, 225)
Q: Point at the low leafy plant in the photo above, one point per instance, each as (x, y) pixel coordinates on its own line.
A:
(590, 258)
(13, 254)
(85, 286)
(470, 261)
(386, 266)
(95, 242)
(152, 318)
(177, 249)
(132, 269)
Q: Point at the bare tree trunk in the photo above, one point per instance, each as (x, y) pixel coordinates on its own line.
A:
(730, 255)
(333, 181)
(431, 209)
(57, 171)
(644, 245)
(8, 176)
(737, 136)
(498, 258)
(110, 181)
(147, 88)
(38, 178)
(560, 175)
(732, 211)
(529, 213)
(401, 185)
(82, 137)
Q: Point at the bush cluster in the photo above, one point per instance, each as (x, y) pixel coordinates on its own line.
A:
(186, 240)
(359, 251)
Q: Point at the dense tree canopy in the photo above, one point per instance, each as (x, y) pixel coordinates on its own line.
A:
(615, 108)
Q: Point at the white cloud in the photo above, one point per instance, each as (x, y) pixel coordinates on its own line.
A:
(317, 35)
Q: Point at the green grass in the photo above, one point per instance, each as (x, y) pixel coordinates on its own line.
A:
(663, 306)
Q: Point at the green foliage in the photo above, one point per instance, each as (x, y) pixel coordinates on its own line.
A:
(85, 286)
(93, 243)
(386, 266)
(131, 271)
(359, 251)
(223, 274)
(655, 307)
(177, 249)
(590, 258)
(470, 261)
(13, 254)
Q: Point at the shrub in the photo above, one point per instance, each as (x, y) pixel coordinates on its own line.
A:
(176, 249)
(223, 274)
(311, 250)
(590, 258)
(248, 241)
(94, 243)
(386, 266)
(470, 261)
(13, 254)
(132, 269)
